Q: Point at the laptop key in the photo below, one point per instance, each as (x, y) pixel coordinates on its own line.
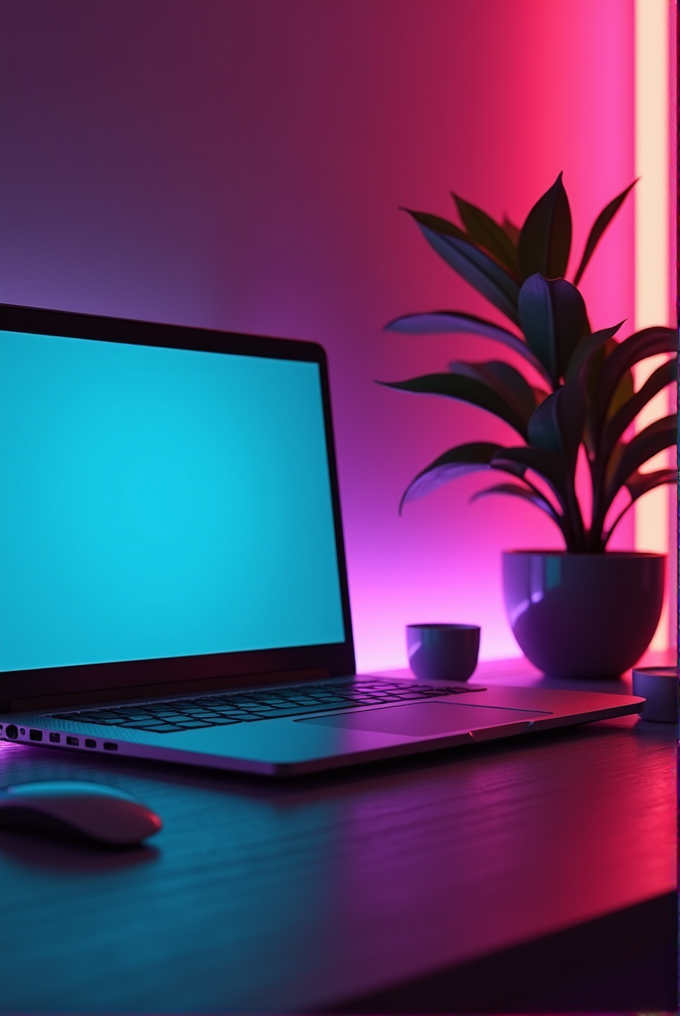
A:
(156, 728)
(275, 714)
(204, 714)
(230, 718)
(159, 728)
(195, 724)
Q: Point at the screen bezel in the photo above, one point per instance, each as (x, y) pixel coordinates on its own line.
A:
(145, 678)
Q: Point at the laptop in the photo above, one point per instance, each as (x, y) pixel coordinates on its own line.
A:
(173, 583)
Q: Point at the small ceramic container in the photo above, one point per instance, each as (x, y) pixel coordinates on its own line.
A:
(443, 652)
(659, 685)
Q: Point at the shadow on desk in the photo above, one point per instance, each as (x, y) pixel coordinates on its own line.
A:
(70, 855)
(623, 962)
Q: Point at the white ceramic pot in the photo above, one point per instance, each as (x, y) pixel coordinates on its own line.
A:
(583, 615)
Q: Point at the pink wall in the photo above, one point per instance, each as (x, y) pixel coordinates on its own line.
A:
(239, 164)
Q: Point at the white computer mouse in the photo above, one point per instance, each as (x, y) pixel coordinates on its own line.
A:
(92, 811)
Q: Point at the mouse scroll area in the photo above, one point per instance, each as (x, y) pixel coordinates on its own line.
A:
(89, 811)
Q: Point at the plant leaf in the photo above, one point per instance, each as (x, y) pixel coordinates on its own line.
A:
(466, 458)
(599, 412)
(488, 234)
(554, 320)
(512, 231)
(540, 394)
(548, 464)
(515, 490)
(639, 484)
(624, 391)
(537, 323)
(580, 358)
(545, 239)
(656, 382)
(449, 321)
(437, 224)
(599, 226)
(505, 380)
(639, 346)
(649, 442)
(557, 424)
(467, 389)
(482, 272)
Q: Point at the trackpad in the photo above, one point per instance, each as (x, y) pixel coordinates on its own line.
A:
(425, 719)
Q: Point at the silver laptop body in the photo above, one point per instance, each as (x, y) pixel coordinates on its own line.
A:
(173, 582)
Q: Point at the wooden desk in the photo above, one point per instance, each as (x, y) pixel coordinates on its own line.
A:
(536, 875)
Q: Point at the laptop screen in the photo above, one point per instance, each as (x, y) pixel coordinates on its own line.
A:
(160, 502)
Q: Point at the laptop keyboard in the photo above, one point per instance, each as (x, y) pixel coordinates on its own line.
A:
(272, 703)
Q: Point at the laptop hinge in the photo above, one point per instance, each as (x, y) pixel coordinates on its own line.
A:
(169, 690)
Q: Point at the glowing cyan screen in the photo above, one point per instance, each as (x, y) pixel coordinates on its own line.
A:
(160, 502)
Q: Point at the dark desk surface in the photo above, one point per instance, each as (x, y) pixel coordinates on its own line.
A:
(534, 875)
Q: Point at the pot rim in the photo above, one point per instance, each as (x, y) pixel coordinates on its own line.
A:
(602, 554)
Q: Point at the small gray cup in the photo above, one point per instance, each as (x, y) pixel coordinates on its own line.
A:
(443, 652)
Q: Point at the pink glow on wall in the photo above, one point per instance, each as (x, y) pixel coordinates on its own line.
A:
(241, 164)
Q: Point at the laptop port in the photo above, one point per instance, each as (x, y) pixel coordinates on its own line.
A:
(110, 746)
(11, 731)
(55, 738)
(72, 740)
(90, 742)
(35, 735)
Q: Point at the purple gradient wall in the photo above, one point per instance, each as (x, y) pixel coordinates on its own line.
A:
(239, 164)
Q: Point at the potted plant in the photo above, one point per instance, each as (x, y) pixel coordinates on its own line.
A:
(585, 611)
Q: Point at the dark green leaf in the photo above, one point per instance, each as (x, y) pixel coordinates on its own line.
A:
(545, 239)
(656, 382)
(479, 270)
(467, 458)
(512, 231)
(579, 359)
(537, 323)
(599, 411)
(449, 321)
(437, 224)
(540, 394)
(639, 484)
(637, 347)
(488, 234)
(524, 492)
(640, 449)
(550, 465)
(554, 320)
(599, 226)
(547, 464)
(624, 391)
(571, 320)
(557, 424)
(466, 389)
(504, 380)
(476, 267)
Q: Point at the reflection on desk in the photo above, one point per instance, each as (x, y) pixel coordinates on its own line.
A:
(530, 876)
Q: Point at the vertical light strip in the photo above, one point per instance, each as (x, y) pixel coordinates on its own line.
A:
(652, 244)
